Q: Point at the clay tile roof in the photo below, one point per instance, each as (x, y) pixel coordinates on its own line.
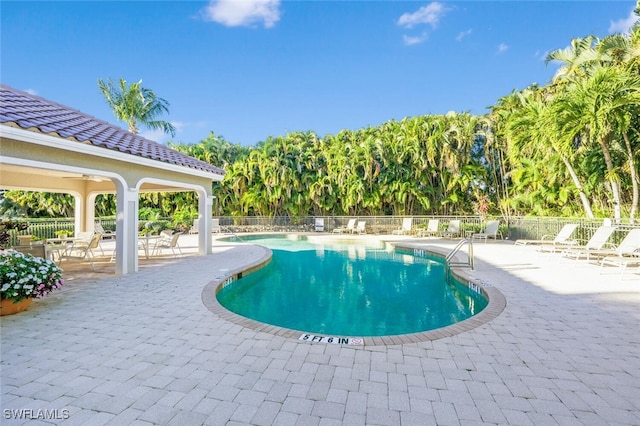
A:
(40, 115)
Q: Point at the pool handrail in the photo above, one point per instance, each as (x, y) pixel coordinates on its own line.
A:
(457, 248)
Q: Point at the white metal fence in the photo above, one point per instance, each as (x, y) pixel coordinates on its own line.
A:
(512, 228)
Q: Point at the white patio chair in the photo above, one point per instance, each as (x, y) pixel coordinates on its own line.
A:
(453, 230)
(490, 231)
(597, 242)
(82, 248)
(351, 225)
(626, 254)
(432, 229)
(97, 227)
(562, 237)
(407, 227)
(169, 241)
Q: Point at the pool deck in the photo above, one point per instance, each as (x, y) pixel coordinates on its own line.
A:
(145, 350)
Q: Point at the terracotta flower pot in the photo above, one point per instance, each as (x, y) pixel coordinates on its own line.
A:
(7, 307)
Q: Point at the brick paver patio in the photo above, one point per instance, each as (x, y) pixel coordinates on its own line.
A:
(144, 349)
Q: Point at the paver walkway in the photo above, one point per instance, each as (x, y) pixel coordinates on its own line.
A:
(143, 350)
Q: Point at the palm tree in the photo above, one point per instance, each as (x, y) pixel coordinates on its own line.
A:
(532, 129)
(624, 51)
(591, 108)
(135, 105)
(578, 58)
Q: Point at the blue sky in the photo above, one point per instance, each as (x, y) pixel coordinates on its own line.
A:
(249, 69)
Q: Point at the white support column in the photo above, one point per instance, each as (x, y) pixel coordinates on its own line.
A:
(90, 212)
(205, 202)
(78, 213)
(127, 230)
(85, 211)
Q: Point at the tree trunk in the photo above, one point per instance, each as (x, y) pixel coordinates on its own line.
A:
(615, 188)
(586, 204)
(634, 178)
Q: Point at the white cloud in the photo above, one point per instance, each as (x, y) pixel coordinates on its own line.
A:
(623, 25)
(410, 41)
(155, 135)
(463, 34)
(502, 48)
(179, 125)
(238, 13)
(33, 92)
(429, 14)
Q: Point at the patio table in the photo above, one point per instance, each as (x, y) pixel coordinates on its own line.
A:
(146, 240)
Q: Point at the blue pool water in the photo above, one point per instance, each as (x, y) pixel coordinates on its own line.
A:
(349, 289)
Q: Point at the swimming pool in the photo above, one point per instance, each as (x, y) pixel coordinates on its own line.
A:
(349, 288)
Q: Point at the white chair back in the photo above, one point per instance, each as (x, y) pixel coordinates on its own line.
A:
(600, 237)
(565, 232)
(630, 243)
(492, 227)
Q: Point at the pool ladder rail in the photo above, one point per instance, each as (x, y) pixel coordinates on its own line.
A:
(229, 231)
(456, 249)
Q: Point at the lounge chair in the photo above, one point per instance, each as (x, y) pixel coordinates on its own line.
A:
(83, 247)
(627, 253)
(490, 231)
(361, 228)
(596, 243)
(453, 230)
(562, 237)
(97, 227)
(215, 226)
(351, 226)
(629, 246)
(319, 224)
(431, 230)
(407, 227)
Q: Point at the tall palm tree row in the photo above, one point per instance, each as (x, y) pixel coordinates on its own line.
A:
(571, 147)
(420, 165)
(568, 148)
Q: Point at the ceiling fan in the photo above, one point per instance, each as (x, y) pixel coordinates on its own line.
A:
(86, 177)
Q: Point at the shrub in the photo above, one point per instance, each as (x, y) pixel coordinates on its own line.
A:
(23, 276)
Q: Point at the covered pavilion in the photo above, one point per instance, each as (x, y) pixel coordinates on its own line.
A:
(48, 147)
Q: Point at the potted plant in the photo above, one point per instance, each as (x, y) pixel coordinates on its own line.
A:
(23, 278)
(63, 233)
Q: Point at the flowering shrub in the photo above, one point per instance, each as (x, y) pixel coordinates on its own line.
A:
(23, 276)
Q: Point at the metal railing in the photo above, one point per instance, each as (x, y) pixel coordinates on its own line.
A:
(512, 228)
(230, 231)
(456, 249)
